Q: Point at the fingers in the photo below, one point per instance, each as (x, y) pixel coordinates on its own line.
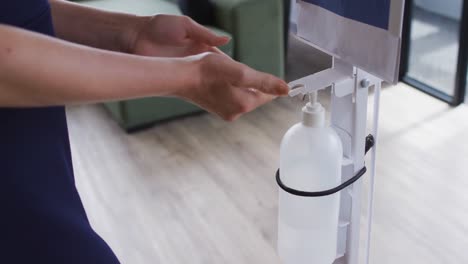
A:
(218, 51)
(243, 76)
(244, 101)
(254, 99)
(202, 34)
(263, 82)
(230, 89)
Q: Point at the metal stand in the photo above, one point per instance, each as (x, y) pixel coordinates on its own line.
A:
(349, 101)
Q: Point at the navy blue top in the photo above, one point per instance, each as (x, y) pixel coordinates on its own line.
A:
(372, 12)
(42, 219)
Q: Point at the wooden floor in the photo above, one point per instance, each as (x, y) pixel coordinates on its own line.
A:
(199, 190)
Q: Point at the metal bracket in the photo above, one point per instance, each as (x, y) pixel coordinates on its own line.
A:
(340, 77)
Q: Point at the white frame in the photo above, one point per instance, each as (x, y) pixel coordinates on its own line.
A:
(349, 101)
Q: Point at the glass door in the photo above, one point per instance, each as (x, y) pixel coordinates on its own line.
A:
(434, 48)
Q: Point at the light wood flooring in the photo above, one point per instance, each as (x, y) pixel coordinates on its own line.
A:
(199, 190)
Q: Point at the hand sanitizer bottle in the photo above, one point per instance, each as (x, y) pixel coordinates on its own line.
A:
(310, 160)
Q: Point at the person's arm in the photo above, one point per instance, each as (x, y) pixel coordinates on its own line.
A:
(92, 27)
(159, 35)
(36, 70)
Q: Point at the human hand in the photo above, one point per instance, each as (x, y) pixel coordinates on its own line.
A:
(229, 88)
(173, 36)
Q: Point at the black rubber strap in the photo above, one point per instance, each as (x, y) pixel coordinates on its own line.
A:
(320, 193)
(370, 141)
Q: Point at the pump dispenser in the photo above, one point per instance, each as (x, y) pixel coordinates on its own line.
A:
(313, 113)
(310, 160)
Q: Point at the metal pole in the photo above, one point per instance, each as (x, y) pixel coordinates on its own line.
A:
(372, 169)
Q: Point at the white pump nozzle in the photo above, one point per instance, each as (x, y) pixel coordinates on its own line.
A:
(313, 97)
(313, 113)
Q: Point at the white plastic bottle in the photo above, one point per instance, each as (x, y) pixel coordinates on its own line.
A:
(310, 160)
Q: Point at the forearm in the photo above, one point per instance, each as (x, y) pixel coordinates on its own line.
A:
(93, 27)
(36, 70)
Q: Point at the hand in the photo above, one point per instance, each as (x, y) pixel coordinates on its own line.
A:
(228, 88)
(173, 36)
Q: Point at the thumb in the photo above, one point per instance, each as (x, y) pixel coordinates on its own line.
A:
(205, 36)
